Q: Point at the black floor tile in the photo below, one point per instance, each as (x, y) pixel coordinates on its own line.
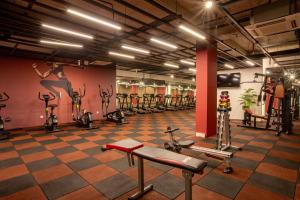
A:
(282, 162)
(13, 185)
(32, 150)
(220, 184)
(84, 163)
(239, 140)
(168, 185)
(63, 185)
(244, 163)
(63, 150)
(115, 186)
(264, 140)
(43, 164)
(273, 184)
(10, 162)
(87, 134)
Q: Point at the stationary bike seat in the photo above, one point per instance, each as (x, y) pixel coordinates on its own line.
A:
(2, 105)
(186, 143)
(52, 105)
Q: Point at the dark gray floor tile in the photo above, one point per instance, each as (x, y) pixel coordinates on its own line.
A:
(287, 149)
(87, 134)
(244, 163)
(168, 185)
(43, 164)
(13, 185)
(63, 150)
(31, 150)
(24, 141)
(119, 164)
(115, 186)
(84, 163)
(10, 162)
(45, 142)
(255, 149)
(6, 149)
(282, 162)
(104, 141)
(93, 151)
(273, 184)
(239, 140)
(220, 184)
(79, 141)
(63, 185)
(264, 140)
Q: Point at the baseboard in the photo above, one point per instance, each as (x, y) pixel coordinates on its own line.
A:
(202, 135)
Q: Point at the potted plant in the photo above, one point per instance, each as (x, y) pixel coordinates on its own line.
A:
(247, 99)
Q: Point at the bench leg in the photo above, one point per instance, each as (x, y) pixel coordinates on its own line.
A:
(188, 184)
(142, 190)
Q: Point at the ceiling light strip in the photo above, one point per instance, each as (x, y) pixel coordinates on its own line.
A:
(67, 31)
(61, 43)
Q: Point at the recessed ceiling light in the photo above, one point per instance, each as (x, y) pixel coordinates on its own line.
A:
(172, 76)
(171, 65)
(94, 19)
(131, 48)
(192, 32)
(229, 66)
(250, 63)
(193, 79)
(120, 55)
(192, 69)
(208, 4)
(61, 43)
(161, 42)
(67, 31)
(187, 62)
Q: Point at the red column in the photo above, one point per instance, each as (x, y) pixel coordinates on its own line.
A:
(206, 87)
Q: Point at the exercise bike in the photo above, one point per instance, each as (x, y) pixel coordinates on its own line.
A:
(81, 117)
(3, 134)
(51, 119)
(117, 116)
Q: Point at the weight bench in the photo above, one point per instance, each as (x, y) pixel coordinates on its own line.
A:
(188, 164)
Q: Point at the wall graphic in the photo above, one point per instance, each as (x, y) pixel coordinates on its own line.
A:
(22, 82)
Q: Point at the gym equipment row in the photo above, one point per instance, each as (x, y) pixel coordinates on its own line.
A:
(280, 100)
(187, 164)
(150, 103)
(3, 133)
(223, 139)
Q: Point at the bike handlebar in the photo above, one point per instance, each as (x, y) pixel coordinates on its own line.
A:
(6, 97)
(169, 130)
(41, 97)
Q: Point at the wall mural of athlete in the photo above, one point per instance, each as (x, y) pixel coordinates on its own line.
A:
(62, 82)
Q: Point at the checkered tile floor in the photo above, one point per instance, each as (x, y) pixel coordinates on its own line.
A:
(70, 164)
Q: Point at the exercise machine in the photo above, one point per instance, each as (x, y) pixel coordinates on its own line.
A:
(169, 103)
(159, 102)
(51, 119)
(3, 133)
(117, 116)
(135, 99)
(223, 140)
(82, 118)
(187, 164)
(122, 101)
(146, 104)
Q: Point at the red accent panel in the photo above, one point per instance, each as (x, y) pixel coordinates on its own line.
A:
(206, 82)
(134, 89)
(124, 149)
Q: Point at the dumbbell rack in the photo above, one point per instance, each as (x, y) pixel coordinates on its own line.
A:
(223, 141)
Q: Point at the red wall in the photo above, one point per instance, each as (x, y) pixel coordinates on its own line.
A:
(22, 84)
